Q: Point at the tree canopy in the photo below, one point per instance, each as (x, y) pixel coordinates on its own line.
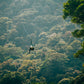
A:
(12, 78)
(52, 59)
(75, 10)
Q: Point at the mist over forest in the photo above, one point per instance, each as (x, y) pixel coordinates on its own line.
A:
(52, 61)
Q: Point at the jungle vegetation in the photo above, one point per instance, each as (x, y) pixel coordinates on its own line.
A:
(52, 61)
(75, 10)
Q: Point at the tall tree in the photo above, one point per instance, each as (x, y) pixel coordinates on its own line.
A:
(75, 10)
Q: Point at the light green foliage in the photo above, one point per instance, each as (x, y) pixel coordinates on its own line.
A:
(64, 81)
(5, 24)
(10, 51)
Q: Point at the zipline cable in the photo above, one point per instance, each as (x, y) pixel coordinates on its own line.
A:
(31, 47)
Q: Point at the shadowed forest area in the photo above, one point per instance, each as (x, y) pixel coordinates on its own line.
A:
(56, 28)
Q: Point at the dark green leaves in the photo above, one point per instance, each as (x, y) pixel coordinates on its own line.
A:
(75, 10)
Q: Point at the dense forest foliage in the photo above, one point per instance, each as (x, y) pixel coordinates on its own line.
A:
(75, 9)
(52, 61)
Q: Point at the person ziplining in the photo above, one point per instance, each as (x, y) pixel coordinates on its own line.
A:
(31, 47)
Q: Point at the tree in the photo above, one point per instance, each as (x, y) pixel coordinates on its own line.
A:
(10, 51)
(75, 10)
(5, 25)
(78, 80)
(12, 78)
